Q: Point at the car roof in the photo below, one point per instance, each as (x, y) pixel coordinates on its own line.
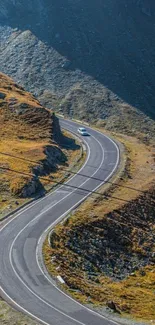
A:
(82, 129)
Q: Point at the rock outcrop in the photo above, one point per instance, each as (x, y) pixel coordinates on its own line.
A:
(116, 245)
(85, 58)
(30, 138)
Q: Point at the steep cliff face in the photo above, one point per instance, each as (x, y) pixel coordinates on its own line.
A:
(111, 41)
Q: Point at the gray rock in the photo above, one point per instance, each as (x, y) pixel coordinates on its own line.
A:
(85, 67)
(2, 95)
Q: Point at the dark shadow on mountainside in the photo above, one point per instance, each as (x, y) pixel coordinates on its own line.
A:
(110, 40)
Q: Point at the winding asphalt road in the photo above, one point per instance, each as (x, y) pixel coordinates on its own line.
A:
(23, 282)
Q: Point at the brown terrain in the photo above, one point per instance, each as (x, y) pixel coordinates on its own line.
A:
(92, 60)
(105, 251)
(31, 146)
(108, 242)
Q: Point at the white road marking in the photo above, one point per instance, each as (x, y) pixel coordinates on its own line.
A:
(10, 255)
(47, 195)
(53, 224)
(10, 252)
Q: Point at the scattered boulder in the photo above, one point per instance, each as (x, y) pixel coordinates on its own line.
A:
(31, 187)
(2, 95)
(112, 305)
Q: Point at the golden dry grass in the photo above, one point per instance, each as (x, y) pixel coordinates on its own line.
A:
(11, 89)
(141, 169)
(19, 134)
(26, 129)
(134, 295)
(9, 315)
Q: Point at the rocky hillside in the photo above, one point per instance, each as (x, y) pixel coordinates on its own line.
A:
(118, 244)
(30, 132)
(89, 59)
(110, 259)
(105, 249)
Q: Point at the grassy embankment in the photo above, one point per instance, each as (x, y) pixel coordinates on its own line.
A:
(127, 235)
(26, 131)
(30, 132)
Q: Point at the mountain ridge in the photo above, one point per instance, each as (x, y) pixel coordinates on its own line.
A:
(104, 47)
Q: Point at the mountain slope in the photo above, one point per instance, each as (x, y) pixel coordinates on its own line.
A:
(104, 251)
(104, 47)
(29, 132)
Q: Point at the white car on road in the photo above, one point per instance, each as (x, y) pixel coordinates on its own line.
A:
(83, 131)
